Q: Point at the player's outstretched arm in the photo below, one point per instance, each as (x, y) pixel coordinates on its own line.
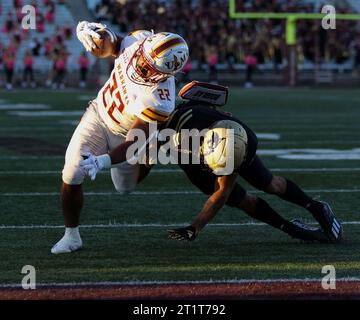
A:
(224, 187)
(98, 39)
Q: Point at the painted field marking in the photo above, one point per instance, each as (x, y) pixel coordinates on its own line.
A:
(152, 225)
(157, 193)
(46, 113)
(29, 157)
(312, 142)
(305, 170)
(329, 154)
(313, 154)
(265, 136)
(172, 282)
(54, 127)
(268, 136)
(70, 122)
(86, 97)
(24, 106)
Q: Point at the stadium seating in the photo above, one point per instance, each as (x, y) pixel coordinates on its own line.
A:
(62, 17)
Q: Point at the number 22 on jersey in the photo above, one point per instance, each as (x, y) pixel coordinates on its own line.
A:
(164, 94)
(112, 98)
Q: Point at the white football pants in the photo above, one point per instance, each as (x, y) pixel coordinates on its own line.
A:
(92, 135)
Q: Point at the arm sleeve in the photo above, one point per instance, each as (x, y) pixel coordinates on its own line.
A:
(150, 109)
(157, 103)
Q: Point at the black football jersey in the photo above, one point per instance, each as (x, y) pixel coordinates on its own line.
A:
(191, 115)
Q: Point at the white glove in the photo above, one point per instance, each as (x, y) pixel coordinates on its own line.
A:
(93, 164)
(85, 33)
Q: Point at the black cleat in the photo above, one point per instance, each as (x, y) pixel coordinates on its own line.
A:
(302, 231)
(330, 224)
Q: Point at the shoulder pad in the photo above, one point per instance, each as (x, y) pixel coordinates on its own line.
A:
(205, 92)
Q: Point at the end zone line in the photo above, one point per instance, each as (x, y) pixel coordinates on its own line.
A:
(151, 225)
(170, 282)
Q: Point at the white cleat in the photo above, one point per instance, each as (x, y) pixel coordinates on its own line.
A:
(67, 244)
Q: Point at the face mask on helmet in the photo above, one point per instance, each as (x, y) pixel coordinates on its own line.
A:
(141, 71)
(158, 58)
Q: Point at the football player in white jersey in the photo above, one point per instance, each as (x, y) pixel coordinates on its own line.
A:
(140, 90)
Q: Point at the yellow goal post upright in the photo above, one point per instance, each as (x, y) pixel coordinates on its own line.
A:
(291, 19)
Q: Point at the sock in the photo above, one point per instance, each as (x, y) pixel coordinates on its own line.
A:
(316, 209)
(263, 212)
(72, 233)
(295, 195)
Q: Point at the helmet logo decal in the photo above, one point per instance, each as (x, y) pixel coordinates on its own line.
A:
(174, 64)
(213, 143)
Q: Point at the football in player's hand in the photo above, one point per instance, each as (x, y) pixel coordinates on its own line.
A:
(104, 46)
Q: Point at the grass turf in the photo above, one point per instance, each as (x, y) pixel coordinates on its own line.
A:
(304, 118)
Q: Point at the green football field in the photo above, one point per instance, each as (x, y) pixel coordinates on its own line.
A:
(311, 136)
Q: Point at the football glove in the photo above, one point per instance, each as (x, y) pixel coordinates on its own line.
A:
(85, 32)
(188, 233)
(93, 164)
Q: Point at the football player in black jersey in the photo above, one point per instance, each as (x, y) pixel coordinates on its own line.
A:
(200, 113)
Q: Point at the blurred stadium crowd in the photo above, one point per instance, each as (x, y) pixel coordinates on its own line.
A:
(216, 41)
(49, 49)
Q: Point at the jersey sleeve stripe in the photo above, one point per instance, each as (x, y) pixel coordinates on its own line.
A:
(159, 113)
(147, 118)
(154, 116)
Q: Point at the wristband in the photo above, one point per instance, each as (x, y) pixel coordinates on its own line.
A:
(104, 161)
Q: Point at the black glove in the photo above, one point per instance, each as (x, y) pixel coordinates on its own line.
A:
(188, 233)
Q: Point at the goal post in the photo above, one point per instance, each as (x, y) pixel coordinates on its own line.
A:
(290, 32)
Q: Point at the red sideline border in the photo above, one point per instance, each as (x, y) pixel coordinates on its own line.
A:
(297, 290)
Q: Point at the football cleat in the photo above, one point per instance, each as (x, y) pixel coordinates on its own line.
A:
(67, 244)
(330, 224)
(188, 233)
(302, 231)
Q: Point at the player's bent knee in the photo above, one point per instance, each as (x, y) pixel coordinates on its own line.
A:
(124, 186)
(73, 175)
(277, 186)
(124, 189)
(248, 204)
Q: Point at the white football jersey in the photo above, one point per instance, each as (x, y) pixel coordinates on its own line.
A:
(121, 100)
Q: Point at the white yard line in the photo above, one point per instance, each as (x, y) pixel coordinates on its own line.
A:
(304, 170)
(155, 193)
(149, 283)
(24, 106)
(111, 193)
(311, 142)
(24, 157)
(150, 225)
(53, 113)
(48, 172)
